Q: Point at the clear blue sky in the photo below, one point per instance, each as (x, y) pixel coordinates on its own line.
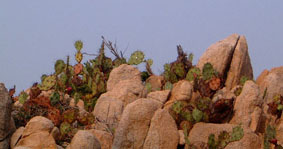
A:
(34, 34)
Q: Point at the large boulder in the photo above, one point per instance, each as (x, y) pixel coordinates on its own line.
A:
(155, 82)
(134, 124)
(201, 132)
(247, 108)
(108, 111)
(163, 132)
(160, 96)
(105, 139)
(6, 124)
(84, 139)
(220, 54)
(16, 137)
(37, 134)
(182, 91)
(240, 65)
(123, 72)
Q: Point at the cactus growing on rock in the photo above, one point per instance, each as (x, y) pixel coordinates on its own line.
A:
(48, 83)
(136, 58)
(59, 66)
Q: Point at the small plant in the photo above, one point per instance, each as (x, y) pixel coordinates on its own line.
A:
(136, 58)
(270, 134)
(243, 80)
(208, 72)
(23, 97)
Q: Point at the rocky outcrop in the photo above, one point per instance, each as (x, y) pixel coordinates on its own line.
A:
(155, 82)
(161, 96)
(16, 137)
(247, 108)
(240, 64)
(201, 132)
(84, 139)
(163, 132)
(134, 124)
(104, 138)
(7, 127)
(37, 134)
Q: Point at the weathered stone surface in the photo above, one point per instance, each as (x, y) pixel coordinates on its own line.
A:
(37, 124)
(16, 136)
(240, 65)
(55, 132)
(134, 124)
(123, 72)
(108, 111)
(247, 108)
(160, 96)
(105, 139)
(163, 132)
(182, 90)
(223, 93)
(279, 133)
(155, 82)
(220, 54)
(7, 127)
(37, 140)
(84, 139)
(201, 132)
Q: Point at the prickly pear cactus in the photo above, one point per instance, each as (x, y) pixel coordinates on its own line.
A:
(207, 71)
(150, 62)
(237, 133)
(48, 83)
(65, 128)
(193, 73)
(168, 86)
(79, 45)
(197, 115)
(59, 66)
(23, 97)
(43, 77)
(79, 57)
(136, 58)
(117, 62)
(243, 80)
(54, 98)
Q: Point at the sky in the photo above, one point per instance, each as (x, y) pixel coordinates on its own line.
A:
(34, 34)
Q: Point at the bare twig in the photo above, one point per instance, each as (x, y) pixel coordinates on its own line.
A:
(113, 48)
(89, 54)
(148, 69)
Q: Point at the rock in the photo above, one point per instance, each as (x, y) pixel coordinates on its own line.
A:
(223, 93)
(40, 139)
(126, 91)
(17, 104)
(224, 49)
(181, 137)
(201, 132)
(105, 139)
(247, 108)
(21, 147)
(182, 90)
(261, 77)
(123, 72)
(7, 127)
(160, 96)
(155, 82)
(84, 139)
(134, 124)
(16, 137)
(279, 133)
(55, 132)
(108, 111)
(163, 132)
(37, 124)
(80, 103)
(272, 83)
(240, 65)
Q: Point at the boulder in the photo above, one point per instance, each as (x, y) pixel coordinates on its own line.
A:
(247, 108)
(155, 82)
(240, 65)
(105, 139)
(160, 96)
(37, 124)
(7, 127)
(220, 54)
(108, 111)
(134, 124)
(84, 139)
(201, 132)
(16, 137)
(163, 132)
(182, 90)
(123, 72)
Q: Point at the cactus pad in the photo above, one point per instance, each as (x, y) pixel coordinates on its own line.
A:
(79, 57)
(48, 83)
(59, 66)
(79, 45)
(23, 97)
(136, 58)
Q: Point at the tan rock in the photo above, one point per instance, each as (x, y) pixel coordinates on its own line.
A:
(38, 140)
(16, 137)
(105, 139)
(134, 124)
(155, 82)
(37, 124)
(240, 65)
(80, 103)
(123, 72)
(201, 132)
(223, 93)
(84, 139)
(279, 133)
(261, 77)
(160, 96)
(163, 132)
(182, 90)
(247, 108)
(220, 54)
(55, 132)
(108, 111)
(181, 137)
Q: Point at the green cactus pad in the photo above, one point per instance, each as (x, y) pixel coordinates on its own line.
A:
(177, 107)
(54, 98)
(148, 87)
(223, 139)
(191, 57)
(43, 77)
(136, 58)
(59, 66)
(197, 115)
(193, 74)
(207, 71)
(243, 80)
(237, 133)
(65, 128)
(168, 86)
(150, 62)
(179, 70)
(23, 97)
(48, 83)
(167, 67)
(79, 45)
